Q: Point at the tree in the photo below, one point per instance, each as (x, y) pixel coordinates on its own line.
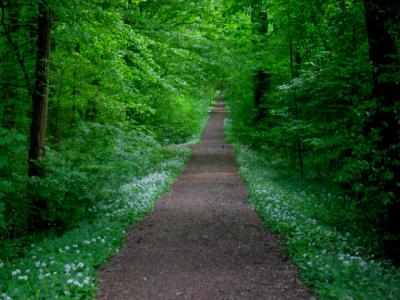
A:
(382, 17)
(40, 99)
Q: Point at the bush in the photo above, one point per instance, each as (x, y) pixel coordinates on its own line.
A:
(333, 254)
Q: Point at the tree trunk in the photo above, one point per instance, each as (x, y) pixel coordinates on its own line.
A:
(40, 95)
(40, 99)
(380, 16)
(295, 61)
(262, 85)
(262, 79)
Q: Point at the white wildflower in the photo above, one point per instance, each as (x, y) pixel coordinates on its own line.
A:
(6, 297)
(86, 280)
(78, 284)
(16, 272)
(67, 268)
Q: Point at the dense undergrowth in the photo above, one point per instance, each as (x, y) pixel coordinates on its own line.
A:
(313, 85)
(325, 242)
(121, 182)
(121, 76)
(320, 95)
(120, 87)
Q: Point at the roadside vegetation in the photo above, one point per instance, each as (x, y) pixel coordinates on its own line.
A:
(332, 255)
(100, 100)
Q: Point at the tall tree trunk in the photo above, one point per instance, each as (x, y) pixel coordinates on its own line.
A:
(262, 79)
(262, 84)
(40, 95)
(380, 16)
(40, 99)
(295, 61)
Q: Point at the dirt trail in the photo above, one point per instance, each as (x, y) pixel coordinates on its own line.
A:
(203, 240)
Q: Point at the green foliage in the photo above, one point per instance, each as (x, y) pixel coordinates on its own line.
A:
(2, 222)
(130, 86)
(323, 240)
(130, 79)
(320, 118)
(65, 267)
(12, 204)
(178, 125)
(119, 72)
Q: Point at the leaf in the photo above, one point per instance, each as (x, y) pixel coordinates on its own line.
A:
(3, 160)
(2, 223)
(5, 186)
(18, 148)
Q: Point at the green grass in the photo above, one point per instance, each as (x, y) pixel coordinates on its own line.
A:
(338, 264)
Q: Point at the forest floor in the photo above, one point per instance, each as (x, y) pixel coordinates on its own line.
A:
(203, 240)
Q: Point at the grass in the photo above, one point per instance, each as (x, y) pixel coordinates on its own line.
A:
(102, 180)
(336, 263)
(65, 267)
(136, 173)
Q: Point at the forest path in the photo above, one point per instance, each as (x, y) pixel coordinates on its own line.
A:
(203, 240)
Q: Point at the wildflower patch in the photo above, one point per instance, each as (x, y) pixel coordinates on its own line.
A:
(335, 263)
(65, 267)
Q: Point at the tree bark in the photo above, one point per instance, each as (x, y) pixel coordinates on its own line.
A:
(262, 84)
(381, 15)
(37, 219)
(295, 61)
(262, 79)
(40, 95)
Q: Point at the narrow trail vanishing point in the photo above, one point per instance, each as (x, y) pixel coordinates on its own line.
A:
(203, 240)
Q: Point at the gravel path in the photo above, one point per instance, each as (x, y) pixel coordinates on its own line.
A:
(203, 240)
